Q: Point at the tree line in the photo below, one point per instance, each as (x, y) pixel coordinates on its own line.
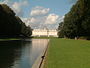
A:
(11, 25)
(77, 21)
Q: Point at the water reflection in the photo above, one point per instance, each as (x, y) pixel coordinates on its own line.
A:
(9, 52)
(21, 53)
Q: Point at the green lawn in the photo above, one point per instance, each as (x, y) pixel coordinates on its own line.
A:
(66, 53)
(9, 39)
(43, 37)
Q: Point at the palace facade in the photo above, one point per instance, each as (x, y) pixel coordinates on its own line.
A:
(44, 32)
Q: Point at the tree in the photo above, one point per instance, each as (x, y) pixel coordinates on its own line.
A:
(11, 25)
(76, 22)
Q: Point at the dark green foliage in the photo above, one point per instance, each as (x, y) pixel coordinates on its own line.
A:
(77, 21)
(11, 25)
(60, 30)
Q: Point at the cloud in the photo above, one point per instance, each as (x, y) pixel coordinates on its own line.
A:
(39, 16)
(4, 2)
(34, 22)
(38, 10)
(25, 3)
(55, 21)
(29, 21)
(16, 6)
(61, 19)
(51, 19)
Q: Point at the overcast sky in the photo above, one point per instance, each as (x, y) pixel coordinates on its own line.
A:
(40, 13)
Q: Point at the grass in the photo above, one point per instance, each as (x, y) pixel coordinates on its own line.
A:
(66, 53)
(8, 39)
(43, 37)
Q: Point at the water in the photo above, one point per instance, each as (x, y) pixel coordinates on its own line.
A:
(21, 53)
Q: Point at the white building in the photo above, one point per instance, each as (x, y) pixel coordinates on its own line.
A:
(44, 32)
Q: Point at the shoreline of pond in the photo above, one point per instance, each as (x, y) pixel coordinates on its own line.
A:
(40, 60)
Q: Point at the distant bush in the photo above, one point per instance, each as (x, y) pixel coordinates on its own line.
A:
(84, 37)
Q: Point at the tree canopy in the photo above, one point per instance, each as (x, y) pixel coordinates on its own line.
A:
(77, 20)
(12, 25)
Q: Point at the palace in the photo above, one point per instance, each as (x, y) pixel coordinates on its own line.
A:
(44, 32)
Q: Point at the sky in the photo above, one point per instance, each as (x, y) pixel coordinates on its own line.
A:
(40, 13)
